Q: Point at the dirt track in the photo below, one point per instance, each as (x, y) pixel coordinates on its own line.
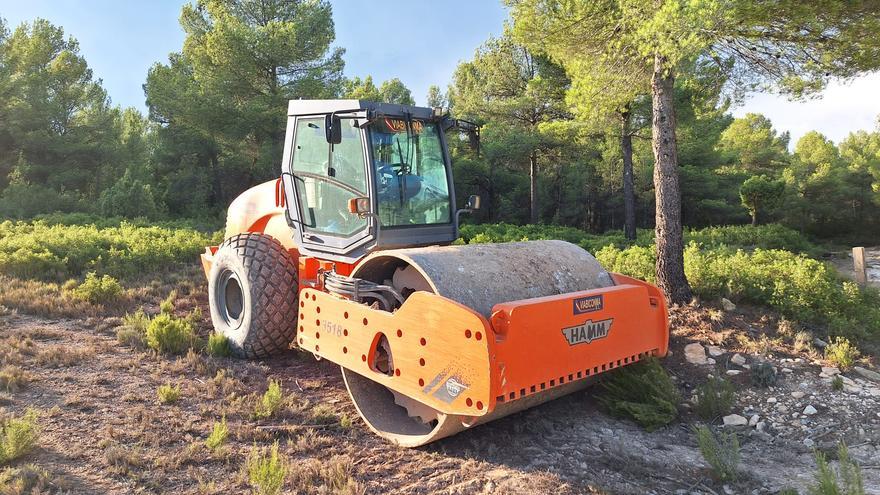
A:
(105, 432)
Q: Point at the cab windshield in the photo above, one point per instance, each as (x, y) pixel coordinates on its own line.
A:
(411, 182)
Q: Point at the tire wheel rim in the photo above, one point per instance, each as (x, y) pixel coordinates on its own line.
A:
(230, 298)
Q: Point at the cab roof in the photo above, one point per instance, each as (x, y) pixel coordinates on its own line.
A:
(316, 107)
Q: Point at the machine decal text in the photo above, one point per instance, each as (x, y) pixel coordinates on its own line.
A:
(588, 304)
(588, 332)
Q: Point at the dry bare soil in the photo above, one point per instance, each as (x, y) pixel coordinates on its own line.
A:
(105, 431)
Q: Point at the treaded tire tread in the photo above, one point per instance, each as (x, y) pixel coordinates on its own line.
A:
(271, 275)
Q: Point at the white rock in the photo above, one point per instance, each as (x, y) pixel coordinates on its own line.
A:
(809, 442)
(753, 421)
(695, 353)
(727, 304)
(735, 420)
(710, 361)
(852, 389)
(771, 400)
(787, 370)
(761, 426)
(797, 394)
(733, 372)
(866, 373)
(737, 359)
(715, 351)
(810, 410)
(828, 371)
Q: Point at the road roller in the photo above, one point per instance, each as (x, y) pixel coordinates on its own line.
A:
(351, 255)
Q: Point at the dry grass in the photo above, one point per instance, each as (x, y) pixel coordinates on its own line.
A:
(62, 356)
(13, 378)
(44, 299)
(121, 459)
(332, 476)
(30, 479)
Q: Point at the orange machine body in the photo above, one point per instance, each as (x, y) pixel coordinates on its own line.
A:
(446, 355)
(455, 361)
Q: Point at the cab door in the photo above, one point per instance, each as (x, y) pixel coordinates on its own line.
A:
(325, 177)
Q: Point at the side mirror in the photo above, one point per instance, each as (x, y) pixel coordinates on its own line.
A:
(333, 128)
(473, 202)
(359, 206)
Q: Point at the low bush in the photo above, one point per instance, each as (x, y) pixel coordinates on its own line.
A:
(218, 345)
(271, 401)
(643, 392)
(334, 475)
(763, 375)
(170, 335)
(842, 353)
(12, 378)
(266, 470)
(18, 435)
(218, 436)
(57, 252)
(27, 479)
(799, 287)
(168, 394)
(769, 236)
(849, 475)
(133, 331)
(98, 290)
(837, 383)
(721, 452)
(714, 398)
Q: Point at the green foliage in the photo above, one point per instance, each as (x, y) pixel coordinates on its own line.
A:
(167, 304)
(799, 287)
(170, 335)
(98, 290)
(218, 436)
(271, 401)
(58, 252)
(643, 392)
(128, 197)
(267, 470)
(133, 331)
(714, 398)
(168, 394)
(842, 353)
(218, 345)
(18, 435)
(837, 383)
(759, 194)
(721, 451)
(763, 375)
(828, 482)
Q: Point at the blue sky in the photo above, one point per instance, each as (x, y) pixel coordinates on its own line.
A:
(122, 38)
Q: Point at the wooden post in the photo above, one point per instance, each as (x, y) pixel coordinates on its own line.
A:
(859, 266)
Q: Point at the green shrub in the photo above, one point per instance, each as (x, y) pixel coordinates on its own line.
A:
(763, 375)
(98, 290)
(128, 197)
(643, 392)
(167, 304)
(769, 236)
(271, 401)
(218, 435)
(842, 353)
(12, 378)
(18, 436)
(218, 345)
(133, 331)
(848, 473)
(837, 383)
(57, 252)
(266, 470)
(721, 452)
(714, 398)
(793, 284)
(168, 394)
(170, 335)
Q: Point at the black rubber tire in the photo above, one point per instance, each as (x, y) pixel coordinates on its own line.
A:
(253, 295)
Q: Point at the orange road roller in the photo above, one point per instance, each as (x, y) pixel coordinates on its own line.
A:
(350, 254)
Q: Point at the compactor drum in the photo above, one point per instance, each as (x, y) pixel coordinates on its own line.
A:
(352, 257)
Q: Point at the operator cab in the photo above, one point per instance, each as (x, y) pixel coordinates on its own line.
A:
(361, 176)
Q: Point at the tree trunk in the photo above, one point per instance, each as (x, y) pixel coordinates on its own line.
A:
(533, 188)
(670, 245)
(629, 197)
(754, 217)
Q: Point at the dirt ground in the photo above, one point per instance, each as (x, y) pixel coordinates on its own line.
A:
(104, 430)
